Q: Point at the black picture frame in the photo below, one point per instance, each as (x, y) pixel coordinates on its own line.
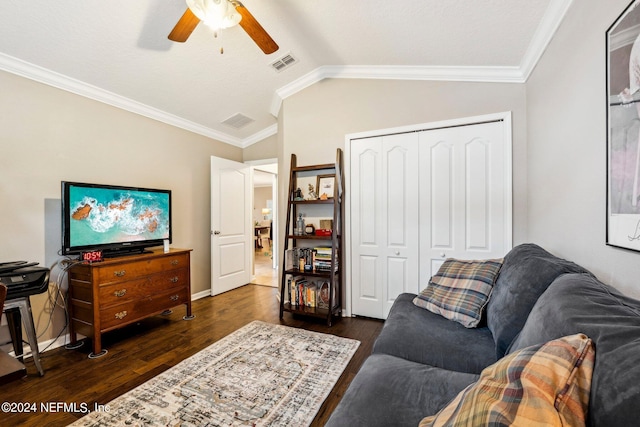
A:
(623, 129)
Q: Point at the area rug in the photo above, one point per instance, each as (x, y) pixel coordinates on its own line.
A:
(260, 375)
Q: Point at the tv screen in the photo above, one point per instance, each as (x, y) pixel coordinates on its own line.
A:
(113, 218)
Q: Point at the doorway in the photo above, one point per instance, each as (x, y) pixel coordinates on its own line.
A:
(264, 220)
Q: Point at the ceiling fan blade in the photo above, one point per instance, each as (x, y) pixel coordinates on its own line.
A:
(184, 27)
(255, 31)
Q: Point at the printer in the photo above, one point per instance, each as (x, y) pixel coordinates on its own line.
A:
(23, 279)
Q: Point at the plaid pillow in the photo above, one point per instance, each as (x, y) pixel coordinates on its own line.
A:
(542, 385)
(460, 290)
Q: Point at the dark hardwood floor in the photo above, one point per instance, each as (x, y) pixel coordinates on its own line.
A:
(141, 351)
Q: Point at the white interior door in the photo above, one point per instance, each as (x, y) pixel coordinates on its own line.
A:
(464, 191)
(231, 226)
(384, 218)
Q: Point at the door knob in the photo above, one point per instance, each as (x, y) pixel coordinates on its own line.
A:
(216, 232)
(443, 255)
(397, 253)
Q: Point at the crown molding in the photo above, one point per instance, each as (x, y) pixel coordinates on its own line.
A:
(516, 74)
(547, 28)
(549, 24)
(34, 72)
(397, 72)
(260, 135)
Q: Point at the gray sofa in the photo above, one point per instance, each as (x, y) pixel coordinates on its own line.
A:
(421, 361)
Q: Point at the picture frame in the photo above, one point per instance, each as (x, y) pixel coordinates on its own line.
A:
(326, 185)
(623, 129)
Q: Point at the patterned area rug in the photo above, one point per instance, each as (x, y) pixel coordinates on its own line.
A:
(260, 375)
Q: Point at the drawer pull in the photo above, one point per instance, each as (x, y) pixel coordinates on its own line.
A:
(121, 315)
(174, 279)
(174, 297)
(120, 293)
(119, 273)
(174, 262)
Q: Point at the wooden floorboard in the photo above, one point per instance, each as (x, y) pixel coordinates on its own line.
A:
(143, 350)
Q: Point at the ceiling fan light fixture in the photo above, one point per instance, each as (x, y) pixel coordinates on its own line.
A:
(217, 14)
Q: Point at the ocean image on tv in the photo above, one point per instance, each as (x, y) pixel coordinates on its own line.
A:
(100, 215)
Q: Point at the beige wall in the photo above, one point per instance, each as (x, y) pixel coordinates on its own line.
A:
(314, 122)
(48, 135)
(265, 149)
(567, 147)
(260, 197)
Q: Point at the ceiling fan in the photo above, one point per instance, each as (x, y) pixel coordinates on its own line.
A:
(220, 14)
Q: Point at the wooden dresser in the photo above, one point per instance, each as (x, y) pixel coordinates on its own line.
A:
(116, 292)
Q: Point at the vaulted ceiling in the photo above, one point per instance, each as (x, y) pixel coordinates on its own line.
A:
(117, 51)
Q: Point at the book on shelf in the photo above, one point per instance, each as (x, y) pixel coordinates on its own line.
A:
(322, 258)
(310, 294)
(302, 292)
(310, 259)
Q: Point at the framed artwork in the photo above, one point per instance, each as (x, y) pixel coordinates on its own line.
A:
(623, 129)
(325, 185)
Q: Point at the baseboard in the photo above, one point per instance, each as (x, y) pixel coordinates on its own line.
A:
(64, 339)
(48, 345)
(200, 295)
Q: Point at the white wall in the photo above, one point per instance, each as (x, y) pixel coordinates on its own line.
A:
(48, 135)
(566, 105)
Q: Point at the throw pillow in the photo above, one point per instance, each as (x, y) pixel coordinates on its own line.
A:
(460, 290)
(542, 385)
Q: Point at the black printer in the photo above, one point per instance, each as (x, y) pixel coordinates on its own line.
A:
(23, 278)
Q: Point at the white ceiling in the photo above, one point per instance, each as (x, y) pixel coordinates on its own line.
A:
(117, 51)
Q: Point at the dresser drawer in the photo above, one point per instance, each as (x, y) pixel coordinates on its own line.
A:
(125, 313)
(131, 270)
(117, 293)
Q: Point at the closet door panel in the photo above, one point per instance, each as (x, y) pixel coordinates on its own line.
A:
(478, 197)
(367, 269)
(384, 215)
(464, 201)
(400, 216)
(440, 174)
(485, 189)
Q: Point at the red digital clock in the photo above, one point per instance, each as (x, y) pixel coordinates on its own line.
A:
(91, 256)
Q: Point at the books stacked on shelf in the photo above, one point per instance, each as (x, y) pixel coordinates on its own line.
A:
(299, 259)
(302, 292)
(322, 258)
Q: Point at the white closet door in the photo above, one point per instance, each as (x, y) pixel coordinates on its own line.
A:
(464, 188)
(384, 218)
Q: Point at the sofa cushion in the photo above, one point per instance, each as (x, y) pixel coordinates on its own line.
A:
(389, 391)
(546, 384)
(578, 303)
(419, 335)
(460, 289)
(526, 272)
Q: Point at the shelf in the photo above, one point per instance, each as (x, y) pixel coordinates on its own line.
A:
(309, 311)
(313, 273)
(313, 202)
(313, 167)
(308, 236)
(330, 280)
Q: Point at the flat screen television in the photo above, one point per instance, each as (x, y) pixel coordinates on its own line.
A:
(115, 219)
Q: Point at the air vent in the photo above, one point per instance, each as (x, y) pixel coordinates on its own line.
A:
(284, 62)
(238, 121)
